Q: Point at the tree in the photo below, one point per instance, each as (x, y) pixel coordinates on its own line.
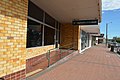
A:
(118, 40)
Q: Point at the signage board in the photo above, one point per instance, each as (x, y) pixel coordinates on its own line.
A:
(85, 22)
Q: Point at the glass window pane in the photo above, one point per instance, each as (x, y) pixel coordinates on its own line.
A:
(84, 40)
(49, 35)
(49, 20)
(35, 12)
(34, 34)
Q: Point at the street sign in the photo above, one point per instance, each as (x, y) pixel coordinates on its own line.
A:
(85, 22)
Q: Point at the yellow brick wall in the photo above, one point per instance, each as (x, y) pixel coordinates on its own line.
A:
(70, 34)
(13, 27)
(33, 52)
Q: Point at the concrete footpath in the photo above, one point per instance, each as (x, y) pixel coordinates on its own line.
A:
(97, 63)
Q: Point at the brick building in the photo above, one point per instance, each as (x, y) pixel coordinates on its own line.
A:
(31, 28)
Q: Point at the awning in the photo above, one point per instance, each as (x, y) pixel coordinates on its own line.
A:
(65, 11)
(91, 29)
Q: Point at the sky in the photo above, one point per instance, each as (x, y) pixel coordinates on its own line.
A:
(111, 13)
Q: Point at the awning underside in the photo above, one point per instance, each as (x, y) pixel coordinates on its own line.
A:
(67, 10)
(92, 29)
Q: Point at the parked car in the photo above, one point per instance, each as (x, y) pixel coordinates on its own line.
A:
(118, 48)
(111, 44)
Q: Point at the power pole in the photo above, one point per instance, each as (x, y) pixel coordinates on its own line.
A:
(106, 34)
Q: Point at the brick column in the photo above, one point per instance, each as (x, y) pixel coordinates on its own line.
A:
(13, 29)
(70, 34)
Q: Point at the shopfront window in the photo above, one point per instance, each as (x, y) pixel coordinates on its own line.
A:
(49, 35)
(42, 29)
(34, 34)
(49, 20)
(84, 40)
(35, 12)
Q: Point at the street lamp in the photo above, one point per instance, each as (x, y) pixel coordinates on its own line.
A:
(107, 32)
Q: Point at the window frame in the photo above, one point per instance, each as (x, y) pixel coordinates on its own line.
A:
(45, 24)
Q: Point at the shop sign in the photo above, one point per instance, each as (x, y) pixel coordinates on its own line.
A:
(85, 22)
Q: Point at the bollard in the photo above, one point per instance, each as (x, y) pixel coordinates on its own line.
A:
(109, 46)
(112, 48)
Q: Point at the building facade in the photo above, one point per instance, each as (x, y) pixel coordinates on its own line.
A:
(31, 31)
